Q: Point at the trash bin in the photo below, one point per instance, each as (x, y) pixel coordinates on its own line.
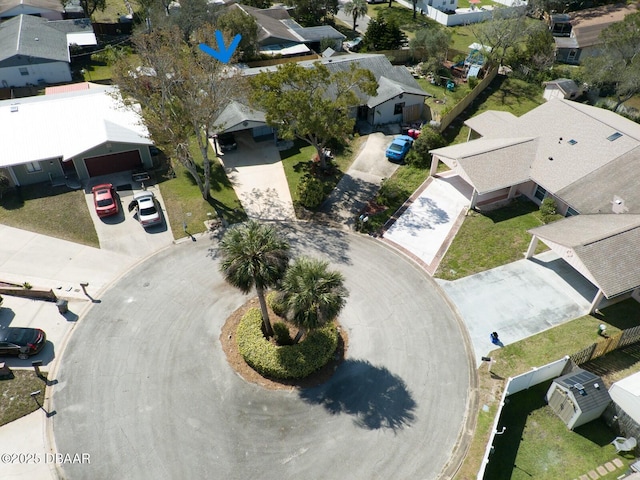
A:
(63, 306)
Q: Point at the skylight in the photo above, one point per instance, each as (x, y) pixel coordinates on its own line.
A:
(572, 142)
(614, 136)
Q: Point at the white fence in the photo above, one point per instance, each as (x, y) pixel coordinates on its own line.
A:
(515, 385)
(463, 16)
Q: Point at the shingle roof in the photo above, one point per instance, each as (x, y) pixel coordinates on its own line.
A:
(236, 113)
(31, 36)
(317, 34)
(566, 85)
(67, 124)
(271, 29)
(606, 244)
(54, 5)
(509, 159)
(490, 122)
(588, 24)
(593, 398)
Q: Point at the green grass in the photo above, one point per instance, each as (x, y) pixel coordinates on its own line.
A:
(403, 16)
(114, 9)
(489, 240)
(520, 357)
(403, 183)
(15, 394)
(297, 164)
(442, 98)
(182, 197)
(504, 94)
(55, 211)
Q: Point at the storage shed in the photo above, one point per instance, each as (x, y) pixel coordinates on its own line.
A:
(578, 397)
(626, 394)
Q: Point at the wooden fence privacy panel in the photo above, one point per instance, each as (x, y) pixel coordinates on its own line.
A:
(614, 342)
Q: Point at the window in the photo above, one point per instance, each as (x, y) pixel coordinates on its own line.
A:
(397, 110)
(33, 167)
(540, 193)
(572, 55)
(614, 136)
(23, 71)
(570, 212)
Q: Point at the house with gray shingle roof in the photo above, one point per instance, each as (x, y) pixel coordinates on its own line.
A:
(279, 34)
(49, 9)
(399, 97)
(581, 156)
(32, 52)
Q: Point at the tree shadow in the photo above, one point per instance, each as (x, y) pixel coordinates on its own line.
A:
(311, 236)
(376, 398)
(15, 198)
(519, 207)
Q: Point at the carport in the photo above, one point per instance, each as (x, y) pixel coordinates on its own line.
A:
(603, 248)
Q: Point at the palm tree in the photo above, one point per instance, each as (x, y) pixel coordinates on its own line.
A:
(314, 295)
(357, 9)
(254, 255)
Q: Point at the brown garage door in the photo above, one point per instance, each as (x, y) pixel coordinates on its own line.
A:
(116, 162)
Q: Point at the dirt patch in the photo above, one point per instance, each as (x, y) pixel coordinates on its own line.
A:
(237, 363)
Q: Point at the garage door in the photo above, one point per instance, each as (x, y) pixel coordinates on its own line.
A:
(116, 162)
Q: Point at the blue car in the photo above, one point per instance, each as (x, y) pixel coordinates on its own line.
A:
(399, 148)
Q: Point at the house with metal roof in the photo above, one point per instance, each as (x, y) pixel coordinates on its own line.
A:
(35, 51)
(578, 397)
(77, 134)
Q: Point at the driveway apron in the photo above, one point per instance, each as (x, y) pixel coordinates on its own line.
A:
(360, 183)
(257, 175)
(519, 299)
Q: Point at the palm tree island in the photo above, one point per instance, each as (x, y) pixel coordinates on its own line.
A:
(305, 300)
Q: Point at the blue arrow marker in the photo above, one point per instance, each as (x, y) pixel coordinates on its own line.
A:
(223, 54)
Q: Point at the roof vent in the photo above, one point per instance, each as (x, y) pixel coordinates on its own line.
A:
(580, 388)
(36, 39)
(14, 108)
(614, 136)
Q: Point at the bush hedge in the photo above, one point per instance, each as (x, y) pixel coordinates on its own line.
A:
(275, 301)
(287, 361)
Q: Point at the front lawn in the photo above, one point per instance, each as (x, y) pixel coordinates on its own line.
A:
(403, 17)
(488, 240)
(184, 202)
(297, 164)
(15, 394)
(55, 211)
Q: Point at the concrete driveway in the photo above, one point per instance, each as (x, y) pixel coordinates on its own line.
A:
(519, 299)
(431, 220)
(122, 233)
(258, 178)
(360, 183)
(146, 390)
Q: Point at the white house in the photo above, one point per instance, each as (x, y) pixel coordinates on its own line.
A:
(79, 134)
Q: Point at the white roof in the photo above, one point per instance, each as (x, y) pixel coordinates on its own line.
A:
(66, 124)
(81, 38)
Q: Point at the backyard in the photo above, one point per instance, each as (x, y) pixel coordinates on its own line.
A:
(536, 442)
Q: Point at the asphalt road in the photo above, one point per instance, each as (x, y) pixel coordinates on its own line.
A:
(145, 389)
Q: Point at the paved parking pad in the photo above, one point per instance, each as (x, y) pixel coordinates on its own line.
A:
(519, 299)
(430, 220)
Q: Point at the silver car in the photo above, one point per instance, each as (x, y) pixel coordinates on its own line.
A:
(148, 208)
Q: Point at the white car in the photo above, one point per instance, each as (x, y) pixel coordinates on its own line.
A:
(148, 208)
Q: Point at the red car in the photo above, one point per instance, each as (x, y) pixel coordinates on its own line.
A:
(105, 200)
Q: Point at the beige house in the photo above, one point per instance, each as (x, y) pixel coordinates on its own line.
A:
(585, 158)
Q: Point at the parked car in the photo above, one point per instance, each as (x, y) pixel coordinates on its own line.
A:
(227, 142)
(398, 148)
(105, 200)
(353, 45)
(22, 342)
(148, 208)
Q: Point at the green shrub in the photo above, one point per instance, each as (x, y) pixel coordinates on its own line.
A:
(428, 140)
(275, 300)
(548, 210)
(285, 361)
(310, 192)
(282, 334)
(473, 82)
(389, 192)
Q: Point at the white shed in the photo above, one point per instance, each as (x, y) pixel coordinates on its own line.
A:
(578, 397)
(626, 394)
